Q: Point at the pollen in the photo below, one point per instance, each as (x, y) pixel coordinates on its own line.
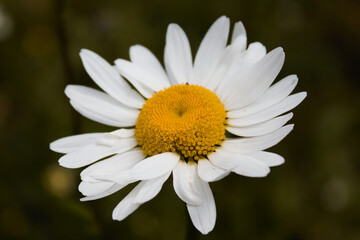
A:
(187, 119)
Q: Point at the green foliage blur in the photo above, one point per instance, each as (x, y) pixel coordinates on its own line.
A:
(314, 195)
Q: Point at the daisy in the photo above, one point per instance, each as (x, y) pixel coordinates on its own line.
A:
(178, 119)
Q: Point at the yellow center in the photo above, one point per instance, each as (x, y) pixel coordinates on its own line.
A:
(186, 119)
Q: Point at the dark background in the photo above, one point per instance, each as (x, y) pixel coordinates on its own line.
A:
(314, 195)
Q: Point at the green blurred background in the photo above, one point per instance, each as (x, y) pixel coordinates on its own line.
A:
(314, 195)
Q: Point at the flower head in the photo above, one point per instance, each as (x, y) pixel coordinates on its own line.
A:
(176, 120)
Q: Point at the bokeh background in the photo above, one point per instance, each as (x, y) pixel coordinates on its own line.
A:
(314, 195)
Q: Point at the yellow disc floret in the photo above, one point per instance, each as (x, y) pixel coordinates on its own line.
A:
(186, 119)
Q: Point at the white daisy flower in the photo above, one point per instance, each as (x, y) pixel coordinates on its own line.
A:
(175, 120)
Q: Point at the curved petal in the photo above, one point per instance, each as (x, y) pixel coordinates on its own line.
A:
(123, 177)
(261, 128)
(239, 163)
(204, 216)
(124, 133)
(186, 183)
(102, 105)
(283, 106)
(255, 52)
(113, 189)
(114, 165)
(93, 152)
(127, 206)
(143, 192)
(139, 77)
(227, 62)
(109, 139)
(150, 189)
(270, 159)
(245, 145)
(273, 95)
(94, 188)
(246, 86)
(144, 58)
(177, 56)
(241, 62)
(155, 166)
(210, 51)
(93, 115)
(74, 143)
(209, 172)
(109, 80)
(239, 30)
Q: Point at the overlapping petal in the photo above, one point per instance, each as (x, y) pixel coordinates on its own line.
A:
(143, 57)
(113, 166)
(109, 80)
(155, 166)
(275, 110)
(177, 56)
(260, 128)
(100, 107)
(143, 192)
(75, 142)
(145, 82)
(273, 95)
(203, 216)
(245, 145)
(93, 152)
(187, 183)
(209, 172)
(241, 164)
(210, 51)
(244, 86)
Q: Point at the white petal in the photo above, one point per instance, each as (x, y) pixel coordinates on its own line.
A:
(143, 57)
(155, 166)
(252, 169)
(109, 80)
(261, 128)
(94, 152)
(113, 189)
(210, 51)
(109, 139)
(239, 163)
(209, 172)
(255, 52)
(283, 106)
(123, 178)
(240, 62)
(94, 188)
(245, 145)
(177, 56)
(114, 165)
(186, 183)
(96, 103)
(204, 216)
(92, 115)
(270, 159)
(145, 82)
(127, 205)
(239, 30)
(74, 143)
(247, 86)
(228, 61)
(273, 95)
(227, 160)
(124, 133)
(150, 189)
